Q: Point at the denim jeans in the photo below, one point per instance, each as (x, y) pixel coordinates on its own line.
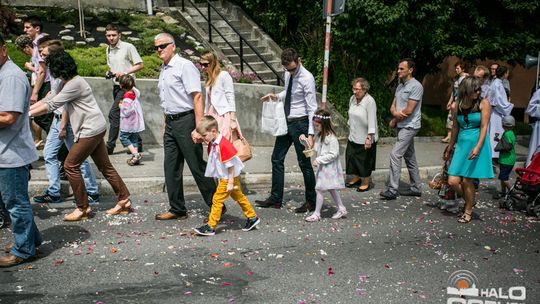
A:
(14, 197)
(52, 165)
(281, 147)
(127, 139)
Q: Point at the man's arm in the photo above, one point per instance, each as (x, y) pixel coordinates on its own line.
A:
(198, 108)
(8, 118)
(39, 82)
(134, 69)
(393, 108)
(411, 104)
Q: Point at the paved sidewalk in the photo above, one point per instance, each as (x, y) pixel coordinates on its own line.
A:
(149, 177)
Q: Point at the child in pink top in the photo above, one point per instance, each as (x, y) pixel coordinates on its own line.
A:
(131, 118)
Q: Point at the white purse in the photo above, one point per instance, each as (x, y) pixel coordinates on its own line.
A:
(273, 120)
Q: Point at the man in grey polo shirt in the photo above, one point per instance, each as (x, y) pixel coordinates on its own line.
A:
(406, 111)
(17, 151)
(181, 100)
(122, 58)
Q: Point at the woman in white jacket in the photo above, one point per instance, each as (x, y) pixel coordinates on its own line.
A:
(220, 102)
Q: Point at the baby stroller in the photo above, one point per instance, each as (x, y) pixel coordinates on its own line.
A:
(525, 193)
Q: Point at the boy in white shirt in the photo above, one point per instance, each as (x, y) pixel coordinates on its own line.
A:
(224, 165)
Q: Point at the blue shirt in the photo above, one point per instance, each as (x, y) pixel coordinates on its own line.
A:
(16, 144)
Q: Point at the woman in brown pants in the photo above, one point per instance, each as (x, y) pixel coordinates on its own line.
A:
(89, 126)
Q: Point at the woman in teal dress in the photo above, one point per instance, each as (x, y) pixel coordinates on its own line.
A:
(472, 150)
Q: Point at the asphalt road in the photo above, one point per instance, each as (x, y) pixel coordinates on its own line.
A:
(401, 251)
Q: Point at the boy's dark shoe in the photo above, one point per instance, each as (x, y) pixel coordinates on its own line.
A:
(251, 223)
(305, 208)
(409, 192)
(387, 195)
(93, 198)
(47, 199)
(205, 230)
(268, 203)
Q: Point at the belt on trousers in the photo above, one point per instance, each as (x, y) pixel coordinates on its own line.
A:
(178, 115)
(296, 119)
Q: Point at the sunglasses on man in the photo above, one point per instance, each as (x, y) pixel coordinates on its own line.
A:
(162, 46)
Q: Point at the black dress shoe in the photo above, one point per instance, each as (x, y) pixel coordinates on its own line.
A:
(268, 203)
(352, 185)
(387, 195)
(409, 192)
(304, 208)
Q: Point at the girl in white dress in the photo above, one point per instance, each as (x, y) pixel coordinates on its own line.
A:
(329, 173)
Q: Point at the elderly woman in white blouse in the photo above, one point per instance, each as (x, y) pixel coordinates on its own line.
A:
(363, 135)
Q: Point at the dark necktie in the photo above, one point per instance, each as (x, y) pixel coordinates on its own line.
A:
(288, 97)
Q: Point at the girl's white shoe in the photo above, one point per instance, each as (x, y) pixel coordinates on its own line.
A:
(339, 214)
(313, 218)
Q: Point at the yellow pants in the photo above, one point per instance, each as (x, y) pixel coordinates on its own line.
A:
(221, 195)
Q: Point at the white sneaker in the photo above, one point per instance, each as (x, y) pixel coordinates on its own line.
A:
(339, 214)
(313, 218)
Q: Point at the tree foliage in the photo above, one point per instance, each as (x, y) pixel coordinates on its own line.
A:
(372, 35)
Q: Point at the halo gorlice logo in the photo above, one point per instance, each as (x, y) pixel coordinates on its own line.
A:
(463, 288)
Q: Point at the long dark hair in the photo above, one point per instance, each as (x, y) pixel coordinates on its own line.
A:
(323, 117)
(61, 64)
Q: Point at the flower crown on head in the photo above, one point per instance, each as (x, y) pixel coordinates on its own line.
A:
(320, 117)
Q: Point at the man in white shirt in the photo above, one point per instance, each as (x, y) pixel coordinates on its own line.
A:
(180, 96)
(300, 104)
(122, 58)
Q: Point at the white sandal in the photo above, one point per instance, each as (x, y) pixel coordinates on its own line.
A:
(339, 214)
(313, 218)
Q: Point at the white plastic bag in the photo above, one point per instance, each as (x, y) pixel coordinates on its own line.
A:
(273, 118)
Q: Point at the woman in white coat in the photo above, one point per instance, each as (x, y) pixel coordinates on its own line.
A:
(220, 102)
(500, 107)
(533, 110)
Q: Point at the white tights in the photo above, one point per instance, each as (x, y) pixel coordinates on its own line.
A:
(320, 198)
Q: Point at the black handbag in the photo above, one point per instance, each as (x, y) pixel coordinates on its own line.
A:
(503, 145)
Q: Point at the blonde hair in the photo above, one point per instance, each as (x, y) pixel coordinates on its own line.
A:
(206, 124)
(213, 68)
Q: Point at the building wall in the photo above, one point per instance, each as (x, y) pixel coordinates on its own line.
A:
(437, 87)
(248, 109)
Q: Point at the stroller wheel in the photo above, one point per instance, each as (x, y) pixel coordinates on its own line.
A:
(533, 210)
